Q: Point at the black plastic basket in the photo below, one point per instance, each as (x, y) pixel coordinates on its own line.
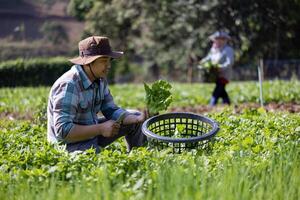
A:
(180, 131)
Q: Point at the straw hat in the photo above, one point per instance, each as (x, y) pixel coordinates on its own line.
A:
(219, 34)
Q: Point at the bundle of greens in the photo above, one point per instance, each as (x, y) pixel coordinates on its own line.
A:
(158, 96)
(209, 65)
(209, 70)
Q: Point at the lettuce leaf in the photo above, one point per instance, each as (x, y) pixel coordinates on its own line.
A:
(158, 96)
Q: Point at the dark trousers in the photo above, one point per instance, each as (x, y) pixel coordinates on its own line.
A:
(133, 138)
(218, 92)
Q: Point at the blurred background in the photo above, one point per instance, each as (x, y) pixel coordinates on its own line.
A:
(161, 39)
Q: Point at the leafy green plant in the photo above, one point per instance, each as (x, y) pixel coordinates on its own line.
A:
(209, 64)
(25, 101)
(40, 115)
(158, 96)
(209, 70)
(179, 130)
(251, 149)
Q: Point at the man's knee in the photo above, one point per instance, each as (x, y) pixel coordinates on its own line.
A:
(83, 145)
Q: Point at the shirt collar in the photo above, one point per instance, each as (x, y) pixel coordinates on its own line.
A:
(86, 82)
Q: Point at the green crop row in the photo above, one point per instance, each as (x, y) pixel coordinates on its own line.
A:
(255, 155)
(25, 100)
(44, 71)
(32, 72)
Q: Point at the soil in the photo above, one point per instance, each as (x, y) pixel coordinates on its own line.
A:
(271, 107)
(200, 109)
(16, 116)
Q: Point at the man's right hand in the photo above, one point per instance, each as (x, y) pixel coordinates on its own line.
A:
(109, 128)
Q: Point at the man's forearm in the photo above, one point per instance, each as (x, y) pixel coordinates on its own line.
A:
(205, 59)
(83, 132)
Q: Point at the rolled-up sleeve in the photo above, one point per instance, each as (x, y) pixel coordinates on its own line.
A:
(206, 58)
(65, 103)
(109, 109)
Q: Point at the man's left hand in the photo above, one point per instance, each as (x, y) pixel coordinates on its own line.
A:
(134, 119)
(142, 117)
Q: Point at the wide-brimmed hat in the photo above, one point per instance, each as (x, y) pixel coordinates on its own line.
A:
(219, 34)
(92, 48)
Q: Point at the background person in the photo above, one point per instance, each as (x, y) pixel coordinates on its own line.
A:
(221, 55)
(80, 94)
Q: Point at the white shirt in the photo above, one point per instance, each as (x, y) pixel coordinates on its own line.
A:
(224, 57)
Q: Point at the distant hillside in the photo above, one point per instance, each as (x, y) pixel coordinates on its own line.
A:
(22, 20)
(33, 15)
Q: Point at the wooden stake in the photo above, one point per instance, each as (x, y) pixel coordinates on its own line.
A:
(260, 78)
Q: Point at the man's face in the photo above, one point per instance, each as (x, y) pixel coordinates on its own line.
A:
(101, 66)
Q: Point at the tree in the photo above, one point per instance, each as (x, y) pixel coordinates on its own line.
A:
(265, 29)
(54, 32)
(169, 32)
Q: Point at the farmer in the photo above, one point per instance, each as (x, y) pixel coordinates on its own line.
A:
(222, 56)
(80, 94)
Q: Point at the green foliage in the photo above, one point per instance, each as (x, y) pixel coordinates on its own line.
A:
(160, 31)
(209, 64)
(79, 8)
(32, 72)
(25, 100)
(45, 71)
(180, 131)
(209, 71)
(255, 155)
(158, 96)
(54, 32)
(40, 115)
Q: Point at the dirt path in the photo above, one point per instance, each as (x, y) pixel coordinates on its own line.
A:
(16, 116)
(271, 107)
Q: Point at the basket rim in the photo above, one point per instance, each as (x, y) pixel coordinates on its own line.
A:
(206, 136)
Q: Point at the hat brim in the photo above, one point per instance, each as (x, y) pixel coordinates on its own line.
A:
(85, 60)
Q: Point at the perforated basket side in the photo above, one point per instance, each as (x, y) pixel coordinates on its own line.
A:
(197, 131)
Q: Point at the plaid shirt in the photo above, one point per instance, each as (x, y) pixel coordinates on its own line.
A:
(74, 99)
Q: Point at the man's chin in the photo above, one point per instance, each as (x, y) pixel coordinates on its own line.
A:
(103, 75)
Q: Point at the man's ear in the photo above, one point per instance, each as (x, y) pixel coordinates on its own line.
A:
(92, 63)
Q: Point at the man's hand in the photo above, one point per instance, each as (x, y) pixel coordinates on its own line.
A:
(110, 128)
(83, 132)
(134, 119)
(142, 117)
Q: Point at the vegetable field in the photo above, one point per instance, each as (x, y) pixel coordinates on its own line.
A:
(25, 100)
(255, 155)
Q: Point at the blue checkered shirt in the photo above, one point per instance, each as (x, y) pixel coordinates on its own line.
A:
(74, 99)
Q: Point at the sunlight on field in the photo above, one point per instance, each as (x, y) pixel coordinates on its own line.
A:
(27, 99)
